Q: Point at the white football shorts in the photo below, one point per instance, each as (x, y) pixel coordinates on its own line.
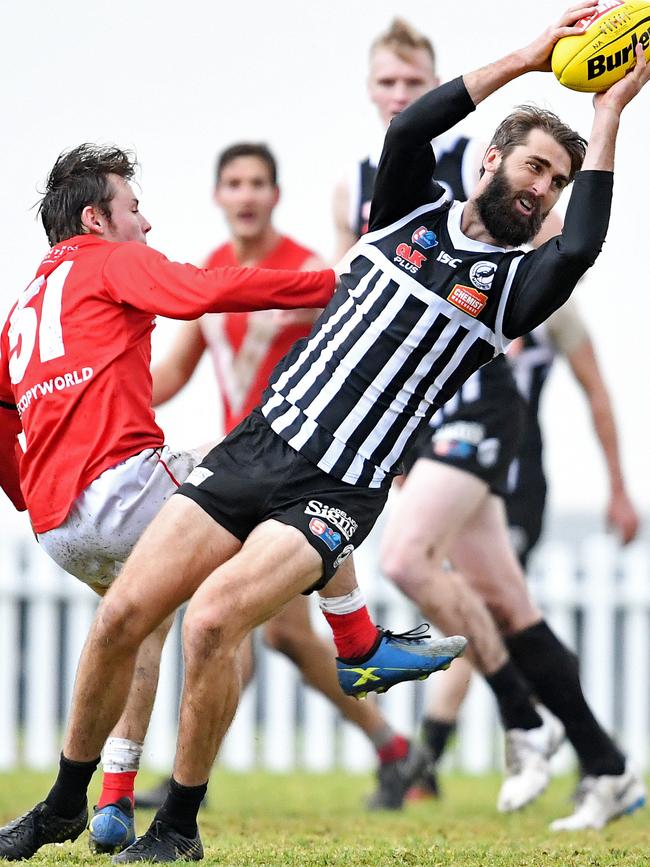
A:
(109, 516)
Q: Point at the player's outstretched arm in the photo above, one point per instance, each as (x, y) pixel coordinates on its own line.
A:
(621, 514)
(176, 368)
(535, 57)
(142, 277)
(608, 107)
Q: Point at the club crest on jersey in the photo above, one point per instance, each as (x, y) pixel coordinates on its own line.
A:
(481, 274)
(408, 258)
(331, 538)
(425, 238)
(467, 299)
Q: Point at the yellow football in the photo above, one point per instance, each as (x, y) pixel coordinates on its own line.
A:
(605, 50)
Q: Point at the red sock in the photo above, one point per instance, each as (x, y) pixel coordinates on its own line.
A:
(116, 786)
(397, 748)
(354, 633)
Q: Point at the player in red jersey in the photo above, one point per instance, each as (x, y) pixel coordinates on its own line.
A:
(94, 471)
(245, 347)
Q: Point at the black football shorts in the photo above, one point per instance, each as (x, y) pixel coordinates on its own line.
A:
(253, 475)
(481, 437)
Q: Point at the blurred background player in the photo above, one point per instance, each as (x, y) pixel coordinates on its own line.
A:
(245, 348)
(402, 68)
(531, 357)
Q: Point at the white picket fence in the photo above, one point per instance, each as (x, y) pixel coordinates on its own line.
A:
(596, 595)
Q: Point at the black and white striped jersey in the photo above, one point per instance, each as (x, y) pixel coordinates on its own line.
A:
(422, 307)
(420, 311)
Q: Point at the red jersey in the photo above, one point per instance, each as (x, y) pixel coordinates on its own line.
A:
(76, 348)
(245, 347)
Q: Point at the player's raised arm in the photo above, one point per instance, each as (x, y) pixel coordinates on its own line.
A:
(147, 280)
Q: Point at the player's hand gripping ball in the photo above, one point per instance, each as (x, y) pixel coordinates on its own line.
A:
(595, 59)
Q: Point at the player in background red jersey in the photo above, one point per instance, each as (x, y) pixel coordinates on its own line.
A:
(245, 347)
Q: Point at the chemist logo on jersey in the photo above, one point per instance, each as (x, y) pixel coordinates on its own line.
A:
(424, 238)
(481, 274)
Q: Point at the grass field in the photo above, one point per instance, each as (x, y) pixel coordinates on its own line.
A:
(271, 820)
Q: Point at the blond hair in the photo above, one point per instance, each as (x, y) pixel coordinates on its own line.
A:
(403, 40)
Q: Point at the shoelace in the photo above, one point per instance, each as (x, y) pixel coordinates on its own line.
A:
(418, 632)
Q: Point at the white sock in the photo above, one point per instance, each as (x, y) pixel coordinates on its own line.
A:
(120, 754)
(342, 604)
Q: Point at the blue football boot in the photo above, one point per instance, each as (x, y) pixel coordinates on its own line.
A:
(396, 657)
(112, 828)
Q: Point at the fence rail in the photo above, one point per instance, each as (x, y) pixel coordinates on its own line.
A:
(596, 595)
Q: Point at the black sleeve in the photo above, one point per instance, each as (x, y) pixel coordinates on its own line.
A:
(547, 276)
(404, 175)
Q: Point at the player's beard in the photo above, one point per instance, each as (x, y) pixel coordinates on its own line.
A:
(496, 207)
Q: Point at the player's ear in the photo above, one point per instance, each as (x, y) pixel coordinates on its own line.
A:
(492, 159)
(93, 220)
(276, 195)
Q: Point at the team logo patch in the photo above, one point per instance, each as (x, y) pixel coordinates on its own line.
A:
(481, 274)
(408, 258)
(345, 553)
(425, 238)
(331, 538)
(467, 299)
(453, 449)
(198, 475)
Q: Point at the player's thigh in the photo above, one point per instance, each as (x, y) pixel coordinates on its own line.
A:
(275, 564)
(485, 556)
(432, 506)
(181, 547)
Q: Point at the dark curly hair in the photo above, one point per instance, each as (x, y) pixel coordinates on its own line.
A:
(79, 178)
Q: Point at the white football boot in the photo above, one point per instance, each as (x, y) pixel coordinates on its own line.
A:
(527, 760)
(602, 799)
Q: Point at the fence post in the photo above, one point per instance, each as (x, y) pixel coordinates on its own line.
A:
(599, 564)
(636, 651)
(9, 652)
(42, 585)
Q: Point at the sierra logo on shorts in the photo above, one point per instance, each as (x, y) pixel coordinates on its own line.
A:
(331, 538)
(338, 517)
(467, 299)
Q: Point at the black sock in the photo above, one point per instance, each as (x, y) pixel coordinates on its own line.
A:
(68, 795)
(182, 806)
(436, 734)
(512, 693)
(553, 671)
